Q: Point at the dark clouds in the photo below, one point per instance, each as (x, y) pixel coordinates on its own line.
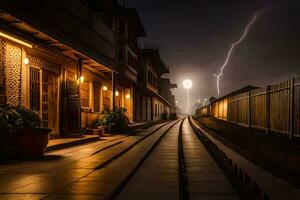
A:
(195, 36)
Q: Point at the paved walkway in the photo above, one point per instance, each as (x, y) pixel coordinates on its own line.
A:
(157, 178)
(79, 172)
(60, 169)
(60, 143)
(205, 178)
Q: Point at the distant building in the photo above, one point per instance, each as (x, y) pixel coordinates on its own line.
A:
(150, 103)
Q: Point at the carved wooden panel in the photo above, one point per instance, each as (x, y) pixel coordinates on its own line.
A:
(43, 64)
(2, 73)
(13, 64)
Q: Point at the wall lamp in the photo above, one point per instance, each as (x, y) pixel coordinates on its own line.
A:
(81, 79)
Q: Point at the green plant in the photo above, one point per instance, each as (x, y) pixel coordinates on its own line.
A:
(95, 123)
(31, 119)
(116, 119)
(13, 118)
(10, 119)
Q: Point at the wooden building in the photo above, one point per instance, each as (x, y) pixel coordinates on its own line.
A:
(150, 104)
(56, 61)
(71, 60)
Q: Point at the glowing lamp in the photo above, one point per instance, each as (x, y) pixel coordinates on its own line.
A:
(104, 88)
(81, 79)
(187, 84)
(117, 93)
(26, 61)
(127, 96)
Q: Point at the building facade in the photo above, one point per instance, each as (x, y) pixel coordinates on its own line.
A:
(153, 97)
(72, 69)
(61, 71)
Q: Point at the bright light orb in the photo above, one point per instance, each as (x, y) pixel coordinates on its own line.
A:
(26, 61)
(187, 83)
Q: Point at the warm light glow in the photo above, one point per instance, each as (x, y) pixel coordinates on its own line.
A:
(117, 93)
(127, 96)
(15, 40)
(187, 84)
(26, 61)
(176, 102)
(104, 88)
(205, 99)
(81, 79)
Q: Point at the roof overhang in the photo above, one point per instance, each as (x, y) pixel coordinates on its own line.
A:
(19, 29)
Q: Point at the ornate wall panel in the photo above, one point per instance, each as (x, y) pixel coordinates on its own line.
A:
(13, 62)
(42, 64)
(2, 73)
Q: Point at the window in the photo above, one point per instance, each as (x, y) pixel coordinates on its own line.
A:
(96, 97)
(131, 60)
(85, 94)
(35, 89)
(106, 100)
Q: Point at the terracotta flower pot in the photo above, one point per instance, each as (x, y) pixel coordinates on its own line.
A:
(32, 142)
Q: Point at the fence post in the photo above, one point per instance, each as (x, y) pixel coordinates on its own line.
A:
(249, 110)
(237, 110)
(267, 109)
(292, 105)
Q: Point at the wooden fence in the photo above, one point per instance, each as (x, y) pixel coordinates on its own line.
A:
(273, 108)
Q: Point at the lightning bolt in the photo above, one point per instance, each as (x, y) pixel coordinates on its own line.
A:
(246, 30)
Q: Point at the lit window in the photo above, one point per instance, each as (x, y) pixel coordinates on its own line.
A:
(85, 94)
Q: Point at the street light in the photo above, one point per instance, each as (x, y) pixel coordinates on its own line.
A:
(205, 100)
(187, 84)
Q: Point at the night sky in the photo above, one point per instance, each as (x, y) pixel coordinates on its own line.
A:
(194, 37)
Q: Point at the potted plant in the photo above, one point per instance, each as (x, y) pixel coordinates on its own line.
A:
(10, 122)
(31, 140)
(115, 120)
(22, 130)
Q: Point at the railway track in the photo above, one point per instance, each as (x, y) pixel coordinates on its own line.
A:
(177, 166)
(170, 162)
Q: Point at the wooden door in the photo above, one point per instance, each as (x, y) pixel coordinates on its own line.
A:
(50, 101)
